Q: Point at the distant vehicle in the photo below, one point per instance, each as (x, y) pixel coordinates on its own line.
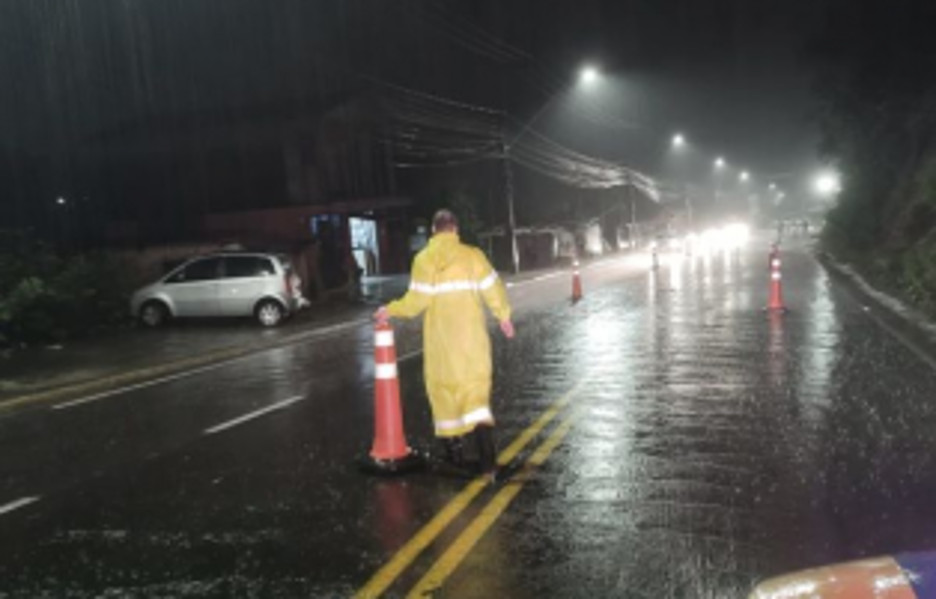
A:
(231, 284)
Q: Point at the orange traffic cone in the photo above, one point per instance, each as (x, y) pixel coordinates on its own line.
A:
(390, 453)
(776, 286)
(576, 283)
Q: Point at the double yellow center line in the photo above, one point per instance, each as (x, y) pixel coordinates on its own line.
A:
(454, 555)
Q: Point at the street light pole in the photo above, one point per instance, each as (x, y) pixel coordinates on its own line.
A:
(507, 148)
(587, 76)
(719, 166)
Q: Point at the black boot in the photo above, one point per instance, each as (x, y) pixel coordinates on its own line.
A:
(453, 451)
(487, 451)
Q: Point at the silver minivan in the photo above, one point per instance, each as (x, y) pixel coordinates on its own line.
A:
(231, 284)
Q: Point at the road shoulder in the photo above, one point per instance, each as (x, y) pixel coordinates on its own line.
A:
(910, 326)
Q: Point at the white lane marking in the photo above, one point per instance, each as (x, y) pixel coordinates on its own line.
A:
(591, 266)
(410, 355)
(15, 505)
(255, 414)
(534, 279)
(172, 377)
(143, 385)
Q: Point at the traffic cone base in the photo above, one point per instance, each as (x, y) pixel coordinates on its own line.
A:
(413, 461)
(776, 298)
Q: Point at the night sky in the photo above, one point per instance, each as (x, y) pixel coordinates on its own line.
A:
(731, 74)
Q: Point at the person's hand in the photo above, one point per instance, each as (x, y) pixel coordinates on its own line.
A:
(507, 327)
(382, 315)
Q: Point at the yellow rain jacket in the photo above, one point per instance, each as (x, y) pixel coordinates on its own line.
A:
(449, 282)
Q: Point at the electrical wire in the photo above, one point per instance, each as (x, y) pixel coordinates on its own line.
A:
(471, 29)
(431, 131)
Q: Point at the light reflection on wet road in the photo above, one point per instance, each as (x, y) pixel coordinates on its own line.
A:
(716, 445)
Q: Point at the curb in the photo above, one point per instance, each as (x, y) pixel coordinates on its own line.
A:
(140, 375)
(908, 325)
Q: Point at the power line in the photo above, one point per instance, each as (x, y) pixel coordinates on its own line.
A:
(460, 37)
(479, 33)
(431, 131)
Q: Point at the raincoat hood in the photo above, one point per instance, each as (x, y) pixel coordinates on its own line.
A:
(442, 250)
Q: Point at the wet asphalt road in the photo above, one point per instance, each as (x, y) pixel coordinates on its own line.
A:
(39, 368)
(710, 445)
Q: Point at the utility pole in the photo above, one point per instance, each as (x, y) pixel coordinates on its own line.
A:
(633, 210)
(688, 209)
(511, 215)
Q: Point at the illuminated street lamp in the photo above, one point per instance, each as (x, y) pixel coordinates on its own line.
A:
(744, 176)
(827, 184)
(589, 75)
(679, 141)
(719, 163)
(60, 201)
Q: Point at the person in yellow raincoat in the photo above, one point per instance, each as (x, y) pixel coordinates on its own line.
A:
(449, 283)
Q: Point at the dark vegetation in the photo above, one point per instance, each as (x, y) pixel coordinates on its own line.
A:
(877, 109)
(47, 298)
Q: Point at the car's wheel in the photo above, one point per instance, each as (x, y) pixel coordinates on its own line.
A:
(154, 314)
(270, 313)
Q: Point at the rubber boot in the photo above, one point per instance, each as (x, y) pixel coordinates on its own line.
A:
(453, 451)
(487, 452)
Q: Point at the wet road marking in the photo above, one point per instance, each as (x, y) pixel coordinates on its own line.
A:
(512, 284)
(143, 385)
(172, 377)
(914, 348)
(466, 541)
(565, 272)
(426, 535)
(405, 556)
(15, 505)
(215, 359)
(255, 414)
(511, 451)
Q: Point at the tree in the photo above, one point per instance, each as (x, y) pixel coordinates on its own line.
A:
(877, 113)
